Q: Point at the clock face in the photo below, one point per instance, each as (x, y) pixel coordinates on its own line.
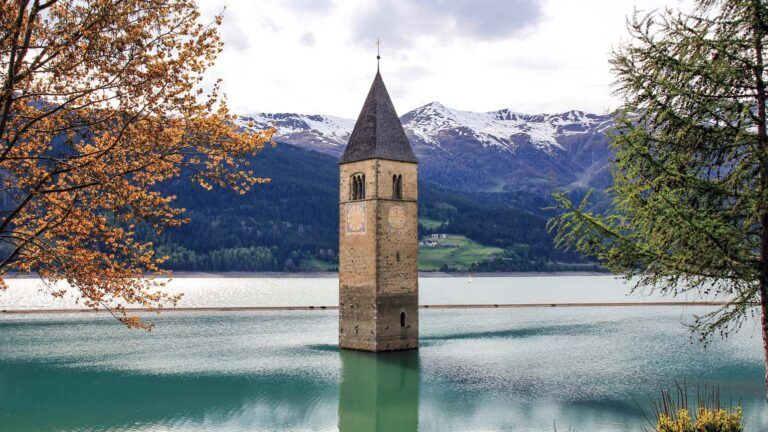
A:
(356, 218)
(396, 217)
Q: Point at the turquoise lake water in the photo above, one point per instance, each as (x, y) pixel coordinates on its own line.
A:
(477, 369)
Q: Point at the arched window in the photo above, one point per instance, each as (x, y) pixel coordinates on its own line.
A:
(357, 187)
(397, 186)
(402, 319)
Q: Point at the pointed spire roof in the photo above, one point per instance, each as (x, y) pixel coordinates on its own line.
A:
(378, 133)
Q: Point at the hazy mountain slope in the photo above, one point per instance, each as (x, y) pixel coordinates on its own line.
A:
(293, 219)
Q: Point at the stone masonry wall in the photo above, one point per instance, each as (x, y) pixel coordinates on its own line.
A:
(378, 275)
(357, 263)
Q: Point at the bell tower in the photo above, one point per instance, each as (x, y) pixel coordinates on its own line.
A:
(378, 231)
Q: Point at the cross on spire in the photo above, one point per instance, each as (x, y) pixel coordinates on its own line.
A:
(378, 52)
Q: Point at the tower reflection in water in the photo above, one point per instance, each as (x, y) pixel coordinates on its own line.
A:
(379, 392)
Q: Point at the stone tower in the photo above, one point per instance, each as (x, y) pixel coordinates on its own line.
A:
(378, 232)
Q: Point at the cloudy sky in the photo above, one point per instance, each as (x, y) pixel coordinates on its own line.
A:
(319, 56)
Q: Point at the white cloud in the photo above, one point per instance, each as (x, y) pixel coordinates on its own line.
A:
(403, 22)
(318, 56)
(308, 39)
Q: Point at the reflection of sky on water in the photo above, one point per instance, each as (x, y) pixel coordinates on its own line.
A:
(476, 369)
(253, 292)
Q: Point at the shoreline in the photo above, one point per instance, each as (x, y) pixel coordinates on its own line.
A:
(330, 275)
(336, 307)
(422, 274)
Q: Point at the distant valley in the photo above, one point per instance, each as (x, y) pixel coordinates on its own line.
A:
(485, 179)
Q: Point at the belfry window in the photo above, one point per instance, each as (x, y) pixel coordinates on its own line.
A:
(357, 187)
(397, 186)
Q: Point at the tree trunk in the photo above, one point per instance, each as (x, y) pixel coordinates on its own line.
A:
(762, 140)
(764, 324)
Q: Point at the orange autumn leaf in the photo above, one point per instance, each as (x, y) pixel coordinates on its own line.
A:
(100, 101)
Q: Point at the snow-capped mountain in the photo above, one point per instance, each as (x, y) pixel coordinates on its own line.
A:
(497, 150)
(326, 134)
(503, 130)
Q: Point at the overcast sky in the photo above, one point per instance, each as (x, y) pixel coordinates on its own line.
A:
(319, 56)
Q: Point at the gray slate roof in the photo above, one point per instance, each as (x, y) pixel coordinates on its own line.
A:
(378, 132)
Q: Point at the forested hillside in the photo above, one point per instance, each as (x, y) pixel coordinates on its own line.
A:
(274, 227)
(291, 223)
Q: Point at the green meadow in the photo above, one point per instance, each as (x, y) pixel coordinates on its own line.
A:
(430, 223)
(456, 252)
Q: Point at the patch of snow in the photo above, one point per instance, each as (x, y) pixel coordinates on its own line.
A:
(333, 130)
(501, 129)
(434, 124)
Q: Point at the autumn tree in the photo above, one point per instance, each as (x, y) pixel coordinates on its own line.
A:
(100, 101)
(690, 177)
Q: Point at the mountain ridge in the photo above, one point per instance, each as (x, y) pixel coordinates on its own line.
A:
(515, 150)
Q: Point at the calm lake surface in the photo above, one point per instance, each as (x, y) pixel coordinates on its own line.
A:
(254, 292)
(477, 369)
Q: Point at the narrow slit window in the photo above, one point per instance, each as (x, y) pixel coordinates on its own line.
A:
(402, 319)
(394, 186)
